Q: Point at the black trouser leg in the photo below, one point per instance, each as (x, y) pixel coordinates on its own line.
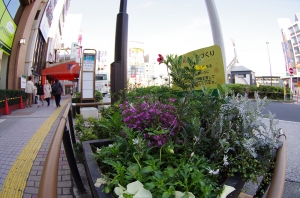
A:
(57, 99)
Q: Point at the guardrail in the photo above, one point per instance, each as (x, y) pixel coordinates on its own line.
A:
(277, 184)
(48, 183)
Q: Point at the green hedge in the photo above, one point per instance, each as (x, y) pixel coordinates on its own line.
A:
(272, 92)
(13, 97)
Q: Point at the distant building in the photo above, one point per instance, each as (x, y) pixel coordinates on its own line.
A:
(242, 75)
(291, 49)
(136, 66)
(101, 62)
(238, 74)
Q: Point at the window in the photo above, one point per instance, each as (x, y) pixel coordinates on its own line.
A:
(101, 77)
(38, 54)
(12, 7)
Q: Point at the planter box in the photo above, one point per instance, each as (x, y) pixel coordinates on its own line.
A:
(11, 108)
(93, 172)
(92, 168)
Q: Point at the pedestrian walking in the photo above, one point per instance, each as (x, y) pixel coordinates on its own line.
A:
(29, 89)
(47, 92)
(56, 91)
(34, 94)
(40, 92)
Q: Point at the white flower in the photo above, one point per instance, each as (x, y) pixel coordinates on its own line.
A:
(135, 141)
(110, 145)
(225, 160)
(192, 154)
(120, 191)
(226, 191)
(212, 172)
(179, 194)
(135, 188)
(98, 150)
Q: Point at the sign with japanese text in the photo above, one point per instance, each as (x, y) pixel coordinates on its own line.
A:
(88, 74)
(88, 62)
(23, 82)
(212, 58)
(7, 29)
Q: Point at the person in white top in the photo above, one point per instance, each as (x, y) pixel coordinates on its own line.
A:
(29, 89)
(47, 92)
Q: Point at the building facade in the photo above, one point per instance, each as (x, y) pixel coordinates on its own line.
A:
(26, 40)
(291, 49)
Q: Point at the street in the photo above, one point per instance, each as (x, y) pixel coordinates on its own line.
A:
(285, 111)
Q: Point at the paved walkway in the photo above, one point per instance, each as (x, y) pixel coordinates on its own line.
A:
(25, 137)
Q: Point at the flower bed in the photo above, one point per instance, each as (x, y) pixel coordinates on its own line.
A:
(183, 145)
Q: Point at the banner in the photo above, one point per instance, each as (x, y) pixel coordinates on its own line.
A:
(7, 29)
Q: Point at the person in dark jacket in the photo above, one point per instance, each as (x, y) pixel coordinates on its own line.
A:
(39, 93)
(56, 91)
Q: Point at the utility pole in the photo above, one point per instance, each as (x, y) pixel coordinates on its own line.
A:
(118, 68)
(267, 43)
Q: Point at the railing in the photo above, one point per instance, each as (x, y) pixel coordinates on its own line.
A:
(48, 183)
(277, 184)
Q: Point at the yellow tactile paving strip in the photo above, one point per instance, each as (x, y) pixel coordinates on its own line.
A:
(15, 182)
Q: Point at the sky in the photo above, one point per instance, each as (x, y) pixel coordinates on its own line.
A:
(181, 26)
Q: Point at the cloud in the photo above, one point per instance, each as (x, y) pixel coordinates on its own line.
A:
(147, 4)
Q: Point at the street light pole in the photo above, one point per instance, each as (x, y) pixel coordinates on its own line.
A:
(267, 43)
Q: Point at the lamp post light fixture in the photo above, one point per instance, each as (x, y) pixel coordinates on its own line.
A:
(22, 41)
(267, 43)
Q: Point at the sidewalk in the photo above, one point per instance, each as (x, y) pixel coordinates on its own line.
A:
(26, 134)
(25, 137)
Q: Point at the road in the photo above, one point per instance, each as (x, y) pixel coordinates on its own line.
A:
(285, 111)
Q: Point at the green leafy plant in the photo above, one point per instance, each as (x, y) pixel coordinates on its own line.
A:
(98, 95)
(185, 145)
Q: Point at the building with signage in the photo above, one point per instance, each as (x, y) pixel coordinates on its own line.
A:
(26, 38)
(291, 49)
(102, 62)
(136, 66)
(31, 39)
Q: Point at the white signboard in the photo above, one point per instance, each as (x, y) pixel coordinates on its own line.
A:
(88, 76)
(23, 82)
(88, 62)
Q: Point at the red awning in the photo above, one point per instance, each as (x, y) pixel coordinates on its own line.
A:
(62, 71)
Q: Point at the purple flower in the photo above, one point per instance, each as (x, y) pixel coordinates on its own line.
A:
(172, 99)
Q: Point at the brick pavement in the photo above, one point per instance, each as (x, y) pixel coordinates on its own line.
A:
(19, 132)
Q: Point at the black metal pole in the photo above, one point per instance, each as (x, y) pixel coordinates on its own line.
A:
(72, 161)
(70, 119)
(119, 66)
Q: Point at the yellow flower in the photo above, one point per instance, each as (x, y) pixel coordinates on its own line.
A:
(200, 67)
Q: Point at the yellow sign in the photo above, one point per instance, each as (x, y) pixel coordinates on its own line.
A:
(212, 58)
(7, 29)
